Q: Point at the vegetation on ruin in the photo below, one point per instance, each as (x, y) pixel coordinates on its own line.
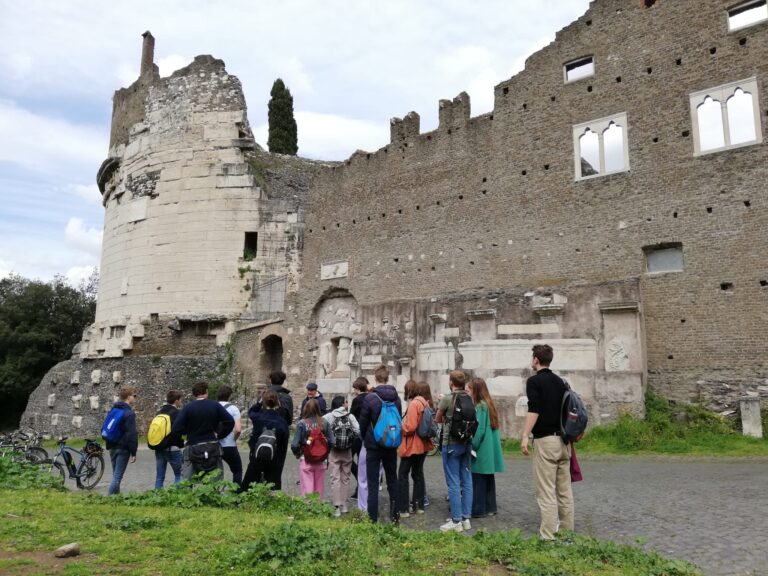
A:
(210, 529)
(670, 428)
(283, 135)
(40, 322)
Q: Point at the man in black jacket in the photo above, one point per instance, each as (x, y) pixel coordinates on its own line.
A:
(551, 458)
(285, 409)
(202, 422)
(376, 455)
(171, 453)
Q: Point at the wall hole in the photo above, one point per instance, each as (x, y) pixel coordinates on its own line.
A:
(396, 259)
(433, 268)
(524, 172)
(418, 207)
(449, 131)
(552, 98)
(505, 91)
(589, 88)
(588, 22)
(679, 61)
(461, 196)
(418, 269)
(429, 137)
(709, 209)
(764, 283)
(546, 166)
(310, 230)
(338, 225)
(383, 215)
(485, 191)
(682, 320)
(485, 179)
(618, 79)
(747, 203)
(472, 262)
(438, 203)
(655, 139)
(354, 221)
(399, 210)
(578, 249)
(649, 3)
(674, 214)
(525, 106)
(742, 41)
(713, 50)
(369, 218)
(649, 70)
(490, 117)
(685, 133)
(726, 286)
(670, 357)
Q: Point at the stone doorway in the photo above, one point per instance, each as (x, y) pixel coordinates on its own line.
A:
(272, 347)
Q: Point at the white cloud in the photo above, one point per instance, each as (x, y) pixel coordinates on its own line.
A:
(78, 274)
(519, 64)
(90, 193)
(76, 235)
(295, 76)
(20, 65)
(126, 74)
(169, 64)
(332, 137)
(49, 144)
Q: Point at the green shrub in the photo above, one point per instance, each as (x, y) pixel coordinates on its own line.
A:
(26, 475)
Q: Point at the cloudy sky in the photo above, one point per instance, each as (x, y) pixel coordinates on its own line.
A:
(351, 66)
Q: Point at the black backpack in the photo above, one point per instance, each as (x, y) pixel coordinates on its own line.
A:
(343, 433)
(266, 446)
(463, 420)
(574, 415)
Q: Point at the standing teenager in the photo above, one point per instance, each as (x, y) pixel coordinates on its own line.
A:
(413, 451)
(486, 444)
(311, 444)
(123, 450)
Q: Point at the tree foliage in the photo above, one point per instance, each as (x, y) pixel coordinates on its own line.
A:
(40, 322)
(283, 136)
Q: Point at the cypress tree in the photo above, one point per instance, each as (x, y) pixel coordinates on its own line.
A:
(283, 137)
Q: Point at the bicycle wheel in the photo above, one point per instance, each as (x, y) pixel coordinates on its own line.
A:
(59, 465)
(92, 471)
(36, 454)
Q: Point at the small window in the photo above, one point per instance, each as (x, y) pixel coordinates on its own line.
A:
(747, 14)
(251, 245)
(578, 69)
(663, 258)
(601, 147)
(726, 117)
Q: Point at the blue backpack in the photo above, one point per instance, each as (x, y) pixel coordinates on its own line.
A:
(388, 429)
(111, 430)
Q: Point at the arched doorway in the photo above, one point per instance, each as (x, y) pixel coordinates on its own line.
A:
(272, 346)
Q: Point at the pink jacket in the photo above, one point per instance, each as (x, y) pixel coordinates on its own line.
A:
(413, 443)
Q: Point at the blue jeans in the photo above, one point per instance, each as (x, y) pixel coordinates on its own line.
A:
(458, 477)
(119, 458)
(162, 459)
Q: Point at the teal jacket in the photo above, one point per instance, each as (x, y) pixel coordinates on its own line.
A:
(487, 444)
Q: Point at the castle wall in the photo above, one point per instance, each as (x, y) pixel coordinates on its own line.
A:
(493, 202)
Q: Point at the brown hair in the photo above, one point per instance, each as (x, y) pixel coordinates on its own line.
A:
(270, 400)
(480, 392)
(361, 384)
(410, 389)
(224, 392)
(381, 374)
(457, 378)
(312, 411)
(126, 391)
(425, 391)
(172, 396)
(199, 388)
(543, 353)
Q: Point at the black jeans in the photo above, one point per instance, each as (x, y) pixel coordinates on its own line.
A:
(231, 456)
(386, 457)
(265, 472)
(415, 465)
(483, 494)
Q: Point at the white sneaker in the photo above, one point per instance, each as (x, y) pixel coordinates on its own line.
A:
(465, 524)
(405, 514)
(344, 509)
(452, 526)
(337, 512)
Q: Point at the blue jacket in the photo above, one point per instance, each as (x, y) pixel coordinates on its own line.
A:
(130, 438)
(302, 433)
(371, 409)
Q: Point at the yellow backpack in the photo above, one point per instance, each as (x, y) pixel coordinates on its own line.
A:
(159, 432)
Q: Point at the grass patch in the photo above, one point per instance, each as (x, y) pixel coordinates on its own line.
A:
(187, 530)
(669, 428)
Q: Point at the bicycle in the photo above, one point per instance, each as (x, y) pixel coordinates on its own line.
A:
(88, 470)
(23, 446)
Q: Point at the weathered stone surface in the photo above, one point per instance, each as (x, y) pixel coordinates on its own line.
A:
(68, 550)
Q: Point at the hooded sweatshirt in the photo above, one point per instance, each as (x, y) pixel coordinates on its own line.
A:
(130, 438)
(340, 412)
(371, 409)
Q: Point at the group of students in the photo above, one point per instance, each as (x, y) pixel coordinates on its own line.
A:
(345, 442)
(363, 441)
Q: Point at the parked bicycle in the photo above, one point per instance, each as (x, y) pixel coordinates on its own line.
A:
(88, 469)
(23, 445)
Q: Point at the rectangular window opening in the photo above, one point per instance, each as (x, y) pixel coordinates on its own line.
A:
(663, 258)
(747, 14)
(251, 245)
(601, 147)
(578, 69)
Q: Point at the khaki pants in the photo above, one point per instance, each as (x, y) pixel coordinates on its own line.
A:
(340, 469)
(552, 479)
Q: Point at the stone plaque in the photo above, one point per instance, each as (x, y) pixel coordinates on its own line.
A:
(333, 270)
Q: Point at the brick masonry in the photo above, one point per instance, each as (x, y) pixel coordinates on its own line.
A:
(468, 242)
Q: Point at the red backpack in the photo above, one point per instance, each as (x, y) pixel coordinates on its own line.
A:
(315, 448)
